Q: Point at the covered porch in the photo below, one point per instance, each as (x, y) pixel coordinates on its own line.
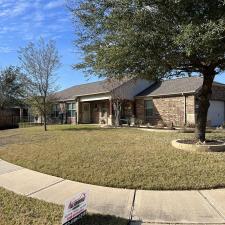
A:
(96, 112)
(102, 112)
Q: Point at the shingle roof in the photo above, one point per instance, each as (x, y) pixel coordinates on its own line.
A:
(173, 87)
(98, 87)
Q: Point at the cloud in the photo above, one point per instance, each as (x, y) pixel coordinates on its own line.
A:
(20, 8)
(5, 49)
(12, 8)
(22, 21)
(55, 4)
(38, 19)
(7, 29)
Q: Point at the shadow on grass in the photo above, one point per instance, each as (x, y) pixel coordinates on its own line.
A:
(101, 220)
(83, 128)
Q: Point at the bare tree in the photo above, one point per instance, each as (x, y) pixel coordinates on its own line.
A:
(117, 107)
(40, 63)
(118, 93)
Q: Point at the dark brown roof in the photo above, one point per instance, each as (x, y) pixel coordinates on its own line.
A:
(98, 87)
(173, 87)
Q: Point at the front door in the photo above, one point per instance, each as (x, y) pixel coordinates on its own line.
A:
(86, 112)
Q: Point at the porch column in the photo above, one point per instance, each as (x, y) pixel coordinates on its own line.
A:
(77, 110)
(110, 112)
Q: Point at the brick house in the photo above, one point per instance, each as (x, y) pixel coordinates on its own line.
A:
(175, 101)
(170, 101)
(93, 102)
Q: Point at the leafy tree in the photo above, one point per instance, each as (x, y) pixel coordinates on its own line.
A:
(12, 88)
(40, 63)
(153, 39)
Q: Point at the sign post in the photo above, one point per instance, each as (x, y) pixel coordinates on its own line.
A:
(75, 208)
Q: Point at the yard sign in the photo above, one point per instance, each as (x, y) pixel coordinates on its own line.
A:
(75, 208)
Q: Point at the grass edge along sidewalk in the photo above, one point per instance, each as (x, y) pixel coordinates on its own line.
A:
(18, 209)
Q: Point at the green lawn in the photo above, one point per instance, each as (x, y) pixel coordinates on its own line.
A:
(127, 158)
(19, 210)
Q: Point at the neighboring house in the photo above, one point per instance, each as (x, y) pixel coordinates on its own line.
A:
(93, 102)
(175, 101)
(169, 102)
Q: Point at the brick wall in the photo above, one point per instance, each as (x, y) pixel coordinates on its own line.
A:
(168, 110)
(190, 110)
(140, 109)
(128, 109)
(71, 120)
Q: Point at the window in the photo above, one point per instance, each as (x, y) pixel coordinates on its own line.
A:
(148, 109)
(55, 110)
(70, 109)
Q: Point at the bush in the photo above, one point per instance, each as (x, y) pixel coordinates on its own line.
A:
(138, 122)
(161, 124)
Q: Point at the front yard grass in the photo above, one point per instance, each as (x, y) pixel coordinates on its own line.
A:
(17, 209)
(126, 158)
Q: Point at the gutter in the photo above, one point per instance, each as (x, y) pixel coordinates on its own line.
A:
(167, 95)
(78, 96)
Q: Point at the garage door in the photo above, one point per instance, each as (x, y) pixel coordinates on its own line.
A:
(216, 113)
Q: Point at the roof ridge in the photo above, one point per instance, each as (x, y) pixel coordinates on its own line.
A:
(100, 81)
(78, 85)
(96, 87)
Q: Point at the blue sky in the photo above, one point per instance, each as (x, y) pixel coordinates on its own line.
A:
(22, 21)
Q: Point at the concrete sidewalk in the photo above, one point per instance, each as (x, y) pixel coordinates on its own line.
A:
(143, 207)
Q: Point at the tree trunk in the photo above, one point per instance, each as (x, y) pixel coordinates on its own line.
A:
(117, 118)
(41, 119)
(45, 121)
(45, 115)
(203, 104)
(117, 109)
